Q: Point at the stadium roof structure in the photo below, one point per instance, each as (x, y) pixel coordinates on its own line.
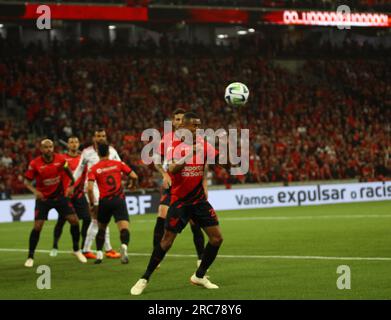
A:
(16, 11)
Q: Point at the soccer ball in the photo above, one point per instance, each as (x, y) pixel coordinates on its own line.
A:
(236, 94)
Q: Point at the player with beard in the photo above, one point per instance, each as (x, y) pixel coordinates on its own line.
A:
(77, 198)
(164, 147)
(90, 157)
(48, 170)
(107, 175)
(188, 201)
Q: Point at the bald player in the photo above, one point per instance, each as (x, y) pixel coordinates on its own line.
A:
(48, 171)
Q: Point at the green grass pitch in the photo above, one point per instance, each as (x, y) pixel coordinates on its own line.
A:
(279, 253)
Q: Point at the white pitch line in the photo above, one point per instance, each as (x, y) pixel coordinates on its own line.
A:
(233, 256)
(278, 218)
(353, 216)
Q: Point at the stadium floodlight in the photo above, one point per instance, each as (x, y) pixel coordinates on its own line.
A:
(242, 32)
(251, 30)
(112, 27)
(222, 36)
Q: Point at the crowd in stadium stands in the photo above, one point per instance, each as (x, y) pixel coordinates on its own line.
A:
(329, 119)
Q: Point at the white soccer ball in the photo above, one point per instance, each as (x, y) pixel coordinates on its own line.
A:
(236, 94)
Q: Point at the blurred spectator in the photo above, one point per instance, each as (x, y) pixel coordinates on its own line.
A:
(5, 194)
(6, 160)
(329, 119)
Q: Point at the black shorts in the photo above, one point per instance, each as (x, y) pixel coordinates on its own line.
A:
(62, 205)
(115, 206)
(201, 213)
(165, 197)
(81, 207)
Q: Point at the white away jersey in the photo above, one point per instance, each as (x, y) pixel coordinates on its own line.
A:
(89, 157)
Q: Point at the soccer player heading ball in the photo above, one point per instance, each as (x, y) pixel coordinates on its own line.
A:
(164, 146)
(188, 201)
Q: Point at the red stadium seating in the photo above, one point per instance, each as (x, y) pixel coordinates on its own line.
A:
(329, 120)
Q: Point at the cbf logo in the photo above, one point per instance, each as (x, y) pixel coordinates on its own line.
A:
(17, 210)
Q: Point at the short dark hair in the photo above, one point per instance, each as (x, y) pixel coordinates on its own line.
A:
(178, 111)
(73, 137)
(103, 149)
(100, 129)
(190, 115)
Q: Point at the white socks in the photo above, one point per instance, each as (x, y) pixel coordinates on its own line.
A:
(99, 255)
(91, 234)
(108, 246)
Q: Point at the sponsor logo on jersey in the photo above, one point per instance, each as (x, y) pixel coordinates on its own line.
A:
(50, 182)
(101, 170)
